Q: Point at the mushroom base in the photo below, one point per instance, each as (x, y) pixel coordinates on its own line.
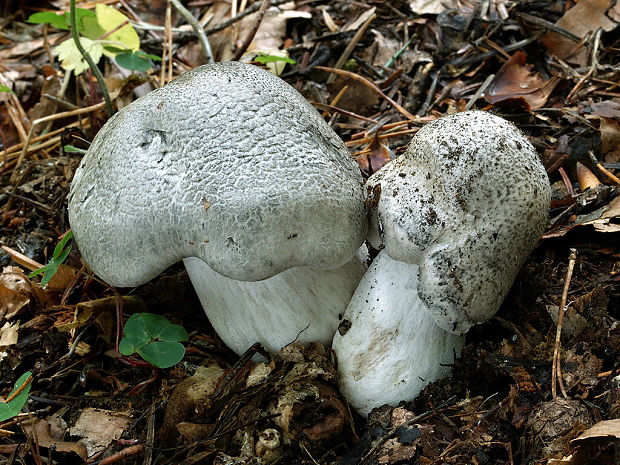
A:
(393, 348)
(300, 304)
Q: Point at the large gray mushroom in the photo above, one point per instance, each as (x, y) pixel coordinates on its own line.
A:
(230, 169)
(456, 217)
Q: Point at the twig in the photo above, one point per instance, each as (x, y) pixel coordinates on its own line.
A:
(36, 122)
(344, 112)
(248, 40)
(479, 92)
(550, 26)
(243, 14)
(89, 60)
(369, 84)
(351, 46)
(198, 29)
(556, 371)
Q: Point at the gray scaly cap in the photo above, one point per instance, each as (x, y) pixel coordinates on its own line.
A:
(467, 202)
(227, 163)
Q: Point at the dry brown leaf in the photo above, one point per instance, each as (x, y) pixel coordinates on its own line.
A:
(607, 429)
(361, 19)
(517, 83)
(378, 156)
(15, 291)
(8, 334)
(329, 22)
(585, 17)
(606, 108)
(431, 7)
(98, 428)
(608, 222)
(382, 49)
(610, 135)
(45, 439)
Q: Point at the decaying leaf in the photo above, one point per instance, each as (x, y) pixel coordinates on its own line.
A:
(8, 334)
(45, 438)
(585, 17)
(15, 291)
(98, 428)
(607, 429)
(517, 83)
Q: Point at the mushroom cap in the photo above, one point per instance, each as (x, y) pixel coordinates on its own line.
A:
(467, 202)
(226, 163)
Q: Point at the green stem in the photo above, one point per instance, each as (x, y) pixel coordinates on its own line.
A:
(89, 60)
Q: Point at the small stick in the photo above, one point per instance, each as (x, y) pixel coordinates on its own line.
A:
(386, 135)
(369, 84)
(556, 370)
(344, 112)
(250, 37)
(336, 99)
(64, 114)
(243, 14)
(479, 92)
(351, 46)
(198, 29)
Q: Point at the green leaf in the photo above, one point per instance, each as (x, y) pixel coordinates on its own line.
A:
(60, 255)
(273, 59)
(49, 17)
(72, 149)
(154, 338)
(106, 26)
(71, 58)
(59, 21)
(14, 406)
(134, 61)
(4, 88)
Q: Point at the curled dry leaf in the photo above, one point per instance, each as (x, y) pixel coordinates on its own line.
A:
(15, 291)
(517, 83)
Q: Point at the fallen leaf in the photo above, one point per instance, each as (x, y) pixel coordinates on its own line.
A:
(606, 108)
(98, 428)
(610, 134)
(15, 291)
(606, 429)
(8, 334)
(608, 221)
(517, 83)
(585, 17)
(45, 439)
(431, 7)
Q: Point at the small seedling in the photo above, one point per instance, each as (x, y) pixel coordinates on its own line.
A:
(106, 31)
(73, 149)
(273, 59)
(60, 254)
(17, 398)
(154, 338)
(4, 88)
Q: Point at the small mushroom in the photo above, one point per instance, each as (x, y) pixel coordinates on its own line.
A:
(230, 169)
(456, 217)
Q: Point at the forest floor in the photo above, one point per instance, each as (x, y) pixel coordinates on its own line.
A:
(551, 67)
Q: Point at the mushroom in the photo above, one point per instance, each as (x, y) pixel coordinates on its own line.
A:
(231, 170)
(455, 216)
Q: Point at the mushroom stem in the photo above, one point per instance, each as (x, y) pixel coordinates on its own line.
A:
(299, 304)
(393, 348)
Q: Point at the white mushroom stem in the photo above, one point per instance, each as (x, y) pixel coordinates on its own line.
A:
(393, 348)
(300, 304)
